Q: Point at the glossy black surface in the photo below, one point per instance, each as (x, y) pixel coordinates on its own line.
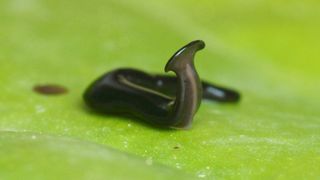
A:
(162, 100)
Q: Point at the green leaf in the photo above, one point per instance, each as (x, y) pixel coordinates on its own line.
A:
(48, 157)
(268, 50)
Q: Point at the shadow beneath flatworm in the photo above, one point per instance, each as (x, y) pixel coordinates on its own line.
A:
(123, 116)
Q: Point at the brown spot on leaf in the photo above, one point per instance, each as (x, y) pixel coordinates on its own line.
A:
(50, 89)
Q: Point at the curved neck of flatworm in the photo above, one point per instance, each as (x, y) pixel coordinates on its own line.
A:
(189, 94)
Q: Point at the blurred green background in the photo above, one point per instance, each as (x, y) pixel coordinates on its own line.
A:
(269, 50)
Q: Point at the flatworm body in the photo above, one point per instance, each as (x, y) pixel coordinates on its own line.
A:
(158, 99)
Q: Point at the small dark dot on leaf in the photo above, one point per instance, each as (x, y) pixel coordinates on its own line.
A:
(176, 147)
(50, 89)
